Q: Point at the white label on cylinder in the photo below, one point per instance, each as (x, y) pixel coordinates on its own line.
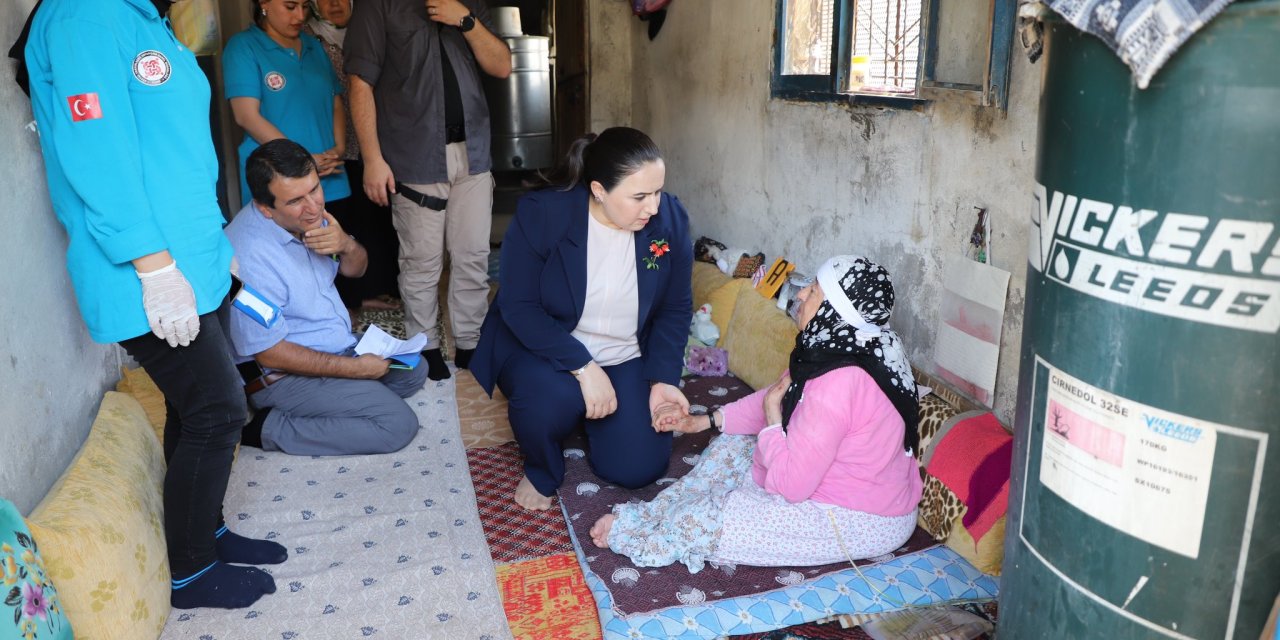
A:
(1142, 470)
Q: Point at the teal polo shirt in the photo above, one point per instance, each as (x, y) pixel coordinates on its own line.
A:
(123, 114)
(294, 92)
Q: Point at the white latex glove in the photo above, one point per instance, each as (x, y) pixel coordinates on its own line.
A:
(170, 305)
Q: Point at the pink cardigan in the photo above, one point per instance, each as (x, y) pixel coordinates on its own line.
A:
(842, 447)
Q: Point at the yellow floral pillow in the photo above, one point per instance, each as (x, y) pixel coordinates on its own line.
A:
(100, 528)
(723, 301)
(706, 278)
(138, 384)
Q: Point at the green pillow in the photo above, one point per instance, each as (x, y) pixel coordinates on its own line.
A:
(29, 599)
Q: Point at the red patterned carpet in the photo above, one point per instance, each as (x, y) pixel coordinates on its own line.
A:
(548, 599)
(513, 533)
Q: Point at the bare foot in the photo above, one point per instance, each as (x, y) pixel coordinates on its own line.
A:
(600, 530)
(529, 498)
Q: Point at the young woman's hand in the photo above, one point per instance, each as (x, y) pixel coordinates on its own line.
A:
(661, 394)
(597, 392)
(773, 399)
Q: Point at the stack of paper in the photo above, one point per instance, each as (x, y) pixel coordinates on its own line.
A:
(404, 353)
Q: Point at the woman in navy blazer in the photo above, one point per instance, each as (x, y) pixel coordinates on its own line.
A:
(608, 186)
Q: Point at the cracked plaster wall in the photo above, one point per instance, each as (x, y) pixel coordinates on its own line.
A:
(809, 180)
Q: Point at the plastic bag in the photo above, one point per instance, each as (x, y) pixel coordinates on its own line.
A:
(702, 328)
(707, 361)
(927, 624)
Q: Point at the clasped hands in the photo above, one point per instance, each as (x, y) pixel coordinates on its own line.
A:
(667, 405)
(671, 415)
(328, 162)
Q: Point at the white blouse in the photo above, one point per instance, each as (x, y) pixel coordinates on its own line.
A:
(609, 318)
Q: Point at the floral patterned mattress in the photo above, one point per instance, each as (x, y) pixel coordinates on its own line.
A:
(388, 546)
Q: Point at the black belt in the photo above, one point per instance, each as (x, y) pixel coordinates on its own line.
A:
(456, 133)
(421, 199)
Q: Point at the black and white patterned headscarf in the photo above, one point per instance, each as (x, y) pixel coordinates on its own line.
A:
(850, 329)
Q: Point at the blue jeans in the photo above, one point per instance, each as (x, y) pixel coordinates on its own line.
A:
(205, 403)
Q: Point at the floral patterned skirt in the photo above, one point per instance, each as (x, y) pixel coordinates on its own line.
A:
(718, 513)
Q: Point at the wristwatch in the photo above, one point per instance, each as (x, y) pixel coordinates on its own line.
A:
(467, 23)
(711, 417)
(577, 373)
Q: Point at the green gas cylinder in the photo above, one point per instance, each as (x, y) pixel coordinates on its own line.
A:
(1145, 497)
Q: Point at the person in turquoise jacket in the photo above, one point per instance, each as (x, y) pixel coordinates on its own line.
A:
(281, 84)
(123, 115)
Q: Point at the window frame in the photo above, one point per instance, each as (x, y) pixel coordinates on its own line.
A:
(994, 91)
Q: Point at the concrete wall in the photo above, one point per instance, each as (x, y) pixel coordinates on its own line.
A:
(51, 374)
(810, 180)
(609, 64)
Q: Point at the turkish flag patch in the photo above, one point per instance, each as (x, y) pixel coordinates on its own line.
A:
(84, 107)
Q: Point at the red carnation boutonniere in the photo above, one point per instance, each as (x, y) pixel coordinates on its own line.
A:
(658, 248)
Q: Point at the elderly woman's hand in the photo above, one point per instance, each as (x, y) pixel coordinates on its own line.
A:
(672, 417)
(773, 399)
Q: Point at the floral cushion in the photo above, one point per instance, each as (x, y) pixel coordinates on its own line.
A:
(706, 278)
(723, 300)
(101, 530)
(28, 593)
(138, 384)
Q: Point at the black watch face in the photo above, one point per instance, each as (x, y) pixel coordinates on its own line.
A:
(468, 23)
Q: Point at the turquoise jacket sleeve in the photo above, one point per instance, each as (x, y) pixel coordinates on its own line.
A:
(101, 155)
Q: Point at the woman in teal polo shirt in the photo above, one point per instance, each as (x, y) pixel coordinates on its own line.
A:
(281, 85)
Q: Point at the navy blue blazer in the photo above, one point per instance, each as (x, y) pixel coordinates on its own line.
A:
(544, 283)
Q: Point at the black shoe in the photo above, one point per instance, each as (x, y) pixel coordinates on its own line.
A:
(436, 368)
(462, 357)
(251, 435)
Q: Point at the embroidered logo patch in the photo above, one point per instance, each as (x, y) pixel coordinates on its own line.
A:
(151, 68)
(275, 81)
(84, 107)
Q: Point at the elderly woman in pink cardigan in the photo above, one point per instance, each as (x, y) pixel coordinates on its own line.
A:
(815, 469)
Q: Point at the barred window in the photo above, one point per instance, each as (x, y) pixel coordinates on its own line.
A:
(894, 52)
(886, 39)
(809, 28)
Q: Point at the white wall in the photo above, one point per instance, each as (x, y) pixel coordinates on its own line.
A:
(807, 180)
(51, 374)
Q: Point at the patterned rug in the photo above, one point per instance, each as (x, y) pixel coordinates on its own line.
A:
(547, 599)
(513, 533)
(378, 544)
